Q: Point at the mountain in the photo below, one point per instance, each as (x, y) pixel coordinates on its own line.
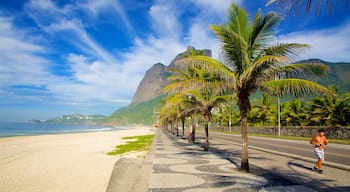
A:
(157, 77)
(136, 114)
(152, 83)
(338, 76)
(75, 119)
(148, 96)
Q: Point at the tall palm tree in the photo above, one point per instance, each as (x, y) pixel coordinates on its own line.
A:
(204, 102)
(253, 62)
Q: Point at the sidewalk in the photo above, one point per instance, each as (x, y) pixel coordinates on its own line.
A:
(179, 166)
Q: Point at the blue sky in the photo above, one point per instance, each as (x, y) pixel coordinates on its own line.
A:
(88, 56)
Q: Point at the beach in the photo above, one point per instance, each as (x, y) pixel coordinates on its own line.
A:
(63, 162)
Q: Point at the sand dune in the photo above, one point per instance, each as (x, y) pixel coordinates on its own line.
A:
(67, 162)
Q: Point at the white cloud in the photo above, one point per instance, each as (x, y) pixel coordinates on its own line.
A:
(101, 6)
(96, 75)
(20, 56)
(218, 7)
(328, 44)
(165, 19)
(211, 12)
(80, 38)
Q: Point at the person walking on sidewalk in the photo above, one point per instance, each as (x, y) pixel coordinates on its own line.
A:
(319, 141)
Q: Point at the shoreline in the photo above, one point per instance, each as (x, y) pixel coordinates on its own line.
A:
(61, 162)
(65, 133)
(69, 130)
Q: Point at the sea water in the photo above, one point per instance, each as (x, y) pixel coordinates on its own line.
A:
(8, 129)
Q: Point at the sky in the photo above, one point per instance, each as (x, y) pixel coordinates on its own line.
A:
(88, 56)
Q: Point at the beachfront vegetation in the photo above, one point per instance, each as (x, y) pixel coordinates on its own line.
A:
(251, 62)
(137, 143)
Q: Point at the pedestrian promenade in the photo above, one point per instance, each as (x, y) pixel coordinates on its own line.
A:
(179, 166)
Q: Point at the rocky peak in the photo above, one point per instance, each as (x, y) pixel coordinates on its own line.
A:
(157, 77)
(152, 83)
(173, 64)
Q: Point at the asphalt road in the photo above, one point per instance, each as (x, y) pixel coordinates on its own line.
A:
(335, 153)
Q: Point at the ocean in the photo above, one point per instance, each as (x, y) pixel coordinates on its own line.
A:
(8, 129)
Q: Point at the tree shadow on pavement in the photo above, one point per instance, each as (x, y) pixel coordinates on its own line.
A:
(305, 179)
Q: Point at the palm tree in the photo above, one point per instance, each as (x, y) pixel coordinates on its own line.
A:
(263, 110)
(331, 111)
(169, 114)
(199, 89)
(253, 62)
(295, 112)
(204, 102)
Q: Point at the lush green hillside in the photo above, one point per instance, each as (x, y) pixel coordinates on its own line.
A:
(138, 113)
(339, 76)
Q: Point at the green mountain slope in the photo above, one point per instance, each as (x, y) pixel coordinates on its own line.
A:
(339, 76)
(138, 113)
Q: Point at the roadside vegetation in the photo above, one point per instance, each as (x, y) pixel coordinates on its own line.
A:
(211, 91)
(336, 141)
(301, 112)
(138, 143)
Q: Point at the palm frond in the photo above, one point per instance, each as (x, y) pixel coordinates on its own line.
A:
(303, 70)
(221, 99)
(258, 69)
(296, 87)
(238, 21)
(223, 76)
(235, 37)
(262, 32)
(208, 63)
(233, 47)
(289, 50)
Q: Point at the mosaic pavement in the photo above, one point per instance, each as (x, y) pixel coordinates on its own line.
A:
(178, 166)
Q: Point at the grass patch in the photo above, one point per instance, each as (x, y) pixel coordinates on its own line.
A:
(139, 143)
(337, 141)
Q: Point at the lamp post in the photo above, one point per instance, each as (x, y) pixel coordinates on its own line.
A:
(279, 114)
(230, 122)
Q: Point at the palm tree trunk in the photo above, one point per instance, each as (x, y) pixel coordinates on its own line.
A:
(193, 122)
(177, 127)
(279, 115)
(244, 106)
(206, 146)
(206, 119)
(183, 127)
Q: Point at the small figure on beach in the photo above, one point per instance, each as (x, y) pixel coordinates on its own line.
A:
(319, 141)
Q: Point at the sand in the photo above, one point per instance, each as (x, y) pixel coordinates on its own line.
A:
(67, 162)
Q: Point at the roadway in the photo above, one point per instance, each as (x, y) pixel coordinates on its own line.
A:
(295, 170)
(335, 153)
